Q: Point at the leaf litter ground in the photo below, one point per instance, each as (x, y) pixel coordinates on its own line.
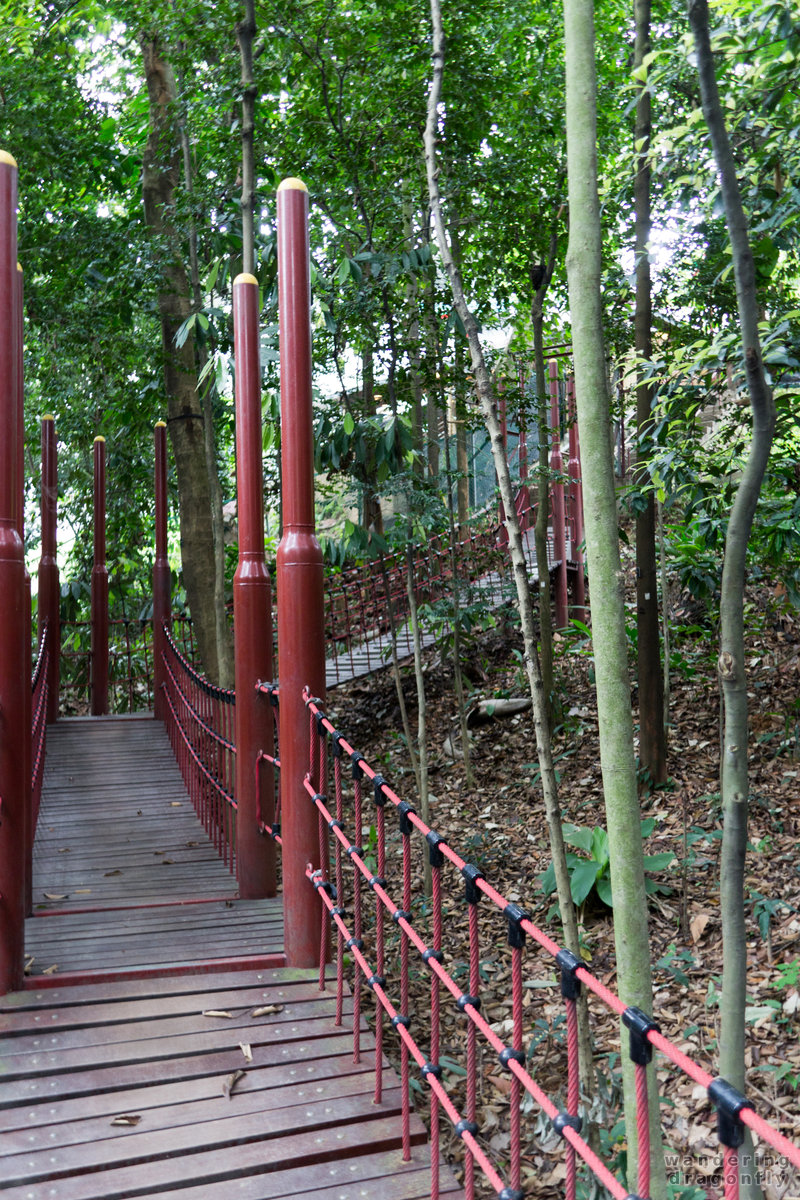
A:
(499, 824)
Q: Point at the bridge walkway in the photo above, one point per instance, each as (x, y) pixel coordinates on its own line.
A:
(158, 1048)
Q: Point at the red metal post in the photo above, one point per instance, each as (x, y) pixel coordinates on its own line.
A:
(252, 613)
(576, 502)
(49, 585)
(162, 583)
(301, 644)
(14, 654)
(99, 685)
(557, 493)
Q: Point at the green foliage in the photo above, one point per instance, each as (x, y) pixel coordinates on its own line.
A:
(589, 872)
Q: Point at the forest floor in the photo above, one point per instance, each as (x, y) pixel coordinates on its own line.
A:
(499, 824)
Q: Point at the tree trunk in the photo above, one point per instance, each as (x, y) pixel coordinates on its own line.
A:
(734, 782)
(225, 674)
(608, 612)
(245, 34)
(161, 177)
(486, 400)
(652, 743)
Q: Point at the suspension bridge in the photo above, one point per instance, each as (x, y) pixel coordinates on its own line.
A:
(205, 975)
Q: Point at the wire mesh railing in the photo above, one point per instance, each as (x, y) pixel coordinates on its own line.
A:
(40, 690)
(353, 877)
(200, 721)
(130, 673)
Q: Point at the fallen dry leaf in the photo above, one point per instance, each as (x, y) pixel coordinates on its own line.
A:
(266, 1010)
(29, 961)
(83, 891)
(50, 970)
(698, 924)
(127, 1119)
(246, 1051)
(231, 1082)
(108, 874)
(216, 1012)
(175, 804)
(64, 850)
(56, 896)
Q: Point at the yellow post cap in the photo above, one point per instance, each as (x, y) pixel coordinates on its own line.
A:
(292, 184)
(99, 438)
(245, 277)
(19, 267)
(161, 425)
(7, 158)
(48, 417)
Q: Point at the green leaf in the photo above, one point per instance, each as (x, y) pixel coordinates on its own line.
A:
(349, 424)
(583, 879)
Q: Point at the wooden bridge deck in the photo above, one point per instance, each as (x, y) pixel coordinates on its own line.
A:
(166, 1056)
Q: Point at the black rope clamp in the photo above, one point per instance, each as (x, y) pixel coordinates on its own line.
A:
(351, 850)
(509, 1193)
(356, 759)
(515, 916)
(639, 1024)
(435, 843)
(400, 914)
(334, 824)
(471, 875)
(464, 999)
(322, 884)
(430, 953)
(569, 964)
(377, 786)
(336, 739)
(377, 880)
(275, 829)
(320, 719)
(729, 1102)
(510, 1054)
(399, 1019)
(272, 688)
(319, 798)
(429, 1068)
(337, 912)
(355, 941)
(466, 1127)
(405, 810)
(376, 980)
(564, 1120)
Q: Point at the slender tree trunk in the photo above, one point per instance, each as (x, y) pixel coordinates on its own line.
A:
(735, 782)
(185, 418)
(225, 673)
(245, 35)
(608, 612)
(652, 744)
(541, 280)
(486, 400)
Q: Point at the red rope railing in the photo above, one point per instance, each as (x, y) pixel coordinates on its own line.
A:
(271, 691)
(200, 724)
(343, 893)
(40, 691)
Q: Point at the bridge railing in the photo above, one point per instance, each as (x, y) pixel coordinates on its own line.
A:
(130, 669)
(403, 929)
(200, 720)
(39, 697)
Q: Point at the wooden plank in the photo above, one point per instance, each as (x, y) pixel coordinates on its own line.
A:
(210, 1166)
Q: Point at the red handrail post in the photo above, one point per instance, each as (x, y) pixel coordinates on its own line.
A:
(99, 685)
(252, 613)
(15, 679)
(301, 644)
(557, 490)
(49, 584)
(162, 582)
(576, 502)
